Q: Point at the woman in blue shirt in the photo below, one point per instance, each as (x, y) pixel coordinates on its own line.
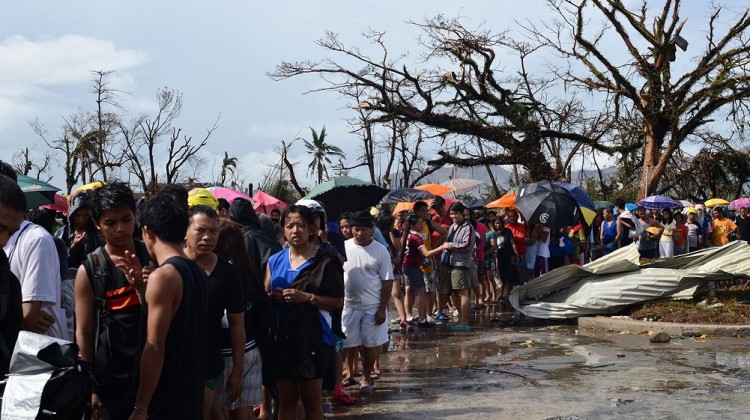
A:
(305, 283)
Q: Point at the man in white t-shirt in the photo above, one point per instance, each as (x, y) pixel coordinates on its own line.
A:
(368, 278)
(30, 252)
(542, 252)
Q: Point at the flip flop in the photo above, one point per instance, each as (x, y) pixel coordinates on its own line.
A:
(375, 375)
(365, 388)
(347, 382)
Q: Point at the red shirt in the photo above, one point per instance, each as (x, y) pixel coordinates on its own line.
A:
(519, 236)
(412, 256)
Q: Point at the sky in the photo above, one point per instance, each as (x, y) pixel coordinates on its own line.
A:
(217, 55)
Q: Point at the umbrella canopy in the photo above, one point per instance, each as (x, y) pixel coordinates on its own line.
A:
(401, 195)
(229, 194)
(685, 203)
(659, 202)
(603, 204)
(460, 186)
(547, 204)
(478, 203)
(585, 203)
(630, 207)
(740, 203)
(38, 193)
(60, 204)
(508, 200)
(264, 203)
(716, 202)
(345, 193)
(436, 189)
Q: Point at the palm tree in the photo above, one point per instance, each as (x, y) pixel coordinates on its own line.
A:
(227, 164)
(321, 153)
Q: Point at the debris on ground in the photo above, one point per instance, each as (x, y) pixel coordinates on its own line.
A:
(659, 337)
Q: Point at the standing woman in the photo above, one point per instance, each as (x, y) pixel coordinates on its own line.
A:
(305, 285)
(666, 244)
(490, 259)
(506, 252)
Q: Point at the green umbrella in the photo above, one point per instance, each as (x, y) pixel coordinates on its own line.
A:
(37, 193)
(603, 204)
(344, 193)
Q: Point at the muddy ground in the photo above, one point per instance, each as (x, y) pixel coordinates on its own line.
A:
(503, 370)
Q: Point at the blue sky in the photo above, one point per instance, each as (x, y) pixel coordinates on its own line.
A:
(217, 54)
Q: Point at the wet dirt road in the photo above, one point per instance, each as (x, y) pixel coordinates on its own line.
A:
(501, 371)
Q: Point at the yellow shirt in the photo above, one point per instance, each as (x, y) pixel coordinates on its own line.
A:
(721, 230)
(427, 239)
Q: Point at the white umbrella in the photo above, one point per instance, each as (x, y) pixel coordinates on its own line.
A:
(460, 186)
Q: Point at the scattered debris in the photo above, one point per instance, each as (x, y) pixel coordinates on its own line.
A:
(620, 354)
(659, 337)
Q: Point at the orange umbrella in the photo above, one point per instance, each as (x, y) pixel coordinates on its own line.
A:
(403, 207)
(508, 200)
(436, 189)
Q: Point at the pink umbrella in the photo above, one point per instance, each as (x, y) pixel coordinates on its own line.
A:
(264, 203)
(228, 194)
(60, 204)
(740, 203)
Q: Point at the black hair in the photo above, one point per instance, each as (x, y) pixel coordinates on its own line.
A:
(620, 203)
(345, 216)
(458, 207)
(305, 213)
(40, 217)
(11, 195)
(7, 170)
(230, 246)
(418, 205)
(179, 192)
(110, 197)
(275, 210)
(166, 217)
(202, 209)
(413, 220)
(223, 204)
(669, 212)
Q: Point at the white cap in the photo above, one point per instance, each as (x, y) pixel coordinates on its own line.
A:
(313, 205)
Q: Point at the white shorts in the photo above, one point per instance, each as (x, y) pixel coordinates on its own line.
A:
(252, 392)
(360, 329)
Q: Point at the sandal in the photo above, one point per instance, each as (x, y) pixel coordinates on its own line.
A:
(375, 375)
(365, 388)
(347, 382)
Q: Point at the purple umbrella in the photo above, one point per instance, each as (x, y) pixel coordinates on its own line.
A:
(659, 202)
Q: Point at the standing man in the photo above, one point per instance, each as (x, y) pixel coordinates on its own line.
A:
(106, 327)
(428, 264)
(460, 244)
(743, 225)
(30, 252)
(368, 279)
(625, 224)
(173, 361)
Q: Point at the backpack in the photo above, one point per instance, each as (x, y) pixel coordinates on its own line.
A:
(98, 273)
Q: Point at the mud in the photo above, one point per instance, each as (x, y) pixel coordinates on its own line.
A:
(501, 370)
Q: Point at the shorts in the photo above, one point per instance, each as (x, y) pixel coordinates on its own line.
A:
(490, 265)
(360, 329)
(481, 269)
(414, 277)
(460, 279)
(287, 366)
(252, 378)
(473, 278)
(444, 286)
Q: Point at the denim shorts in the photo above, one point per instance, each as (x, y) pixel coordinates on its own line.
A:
(414, 277)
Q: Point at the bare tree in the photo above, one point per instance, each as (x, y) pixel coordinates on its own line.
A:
(25, 163)
(638, 75)
(468, 100)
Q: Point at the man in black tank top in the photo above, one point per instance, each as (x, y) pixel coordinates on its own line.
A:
(173, 362)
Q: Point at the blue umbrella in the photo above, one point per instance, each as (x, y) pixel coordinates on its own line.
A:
(659, 202)
(630, 207)
(585, 203)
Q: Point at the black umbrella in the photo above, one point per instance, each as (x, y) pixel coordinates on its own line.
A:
(406, 195)
(344, 194)
(547, 204)
(478, 203)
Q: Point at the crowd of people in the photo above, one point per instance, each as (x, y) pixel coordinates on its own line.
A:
(187, 306)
